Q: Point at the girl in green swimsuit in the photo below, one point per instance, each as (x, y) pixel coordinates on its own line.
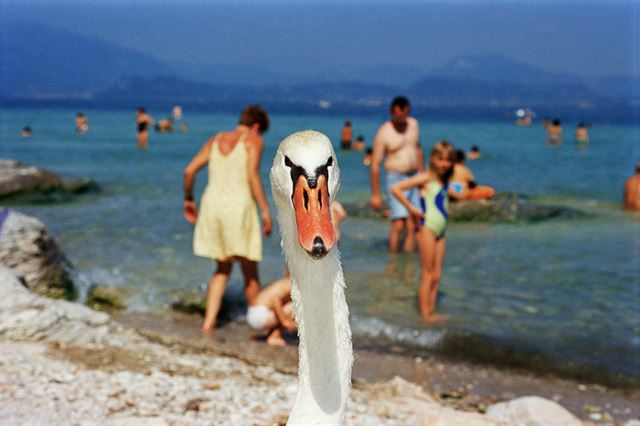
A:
(435, 192)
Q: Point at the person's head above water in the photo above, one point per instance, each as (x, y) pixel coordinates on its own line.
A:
(255, 114)
(460, 156)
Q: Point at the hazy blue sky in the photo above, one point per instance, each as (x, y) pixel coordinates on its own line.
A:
(588, 38)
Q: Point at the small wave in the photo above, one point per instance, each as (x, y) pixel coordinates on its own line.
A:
(376, 328)
(84, 280)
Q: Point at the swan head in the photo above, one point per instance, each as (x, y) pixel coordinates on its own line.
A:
(304, 180)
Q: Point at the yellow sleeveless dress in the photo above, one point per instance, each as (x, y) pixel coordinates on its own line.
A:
(228, 223)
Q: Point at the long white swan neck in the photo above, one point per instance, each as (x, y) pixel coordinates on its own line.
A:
(325, 336)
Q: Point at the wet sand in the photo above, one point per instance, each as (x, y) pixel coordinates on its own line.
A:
(458, 384)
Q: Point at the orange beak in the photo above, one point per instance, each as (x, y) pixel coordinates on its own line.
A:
(313, 217)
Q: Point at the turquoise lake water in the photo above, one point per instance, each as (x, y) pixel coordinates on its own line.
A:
(564, 289)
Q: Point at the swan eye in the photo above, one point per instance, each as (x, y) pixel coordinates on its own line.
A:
(330, 162)
(288, 162)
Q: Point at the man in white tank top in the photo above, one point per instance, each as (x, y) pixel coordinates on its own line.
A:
(397, 142)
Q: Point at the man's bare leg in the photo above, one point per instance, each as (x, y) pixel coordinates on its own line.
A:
(409, 236)
(395, 231)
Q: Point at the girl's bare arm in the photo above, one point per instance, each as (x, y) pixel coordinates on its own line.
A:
(413, 182)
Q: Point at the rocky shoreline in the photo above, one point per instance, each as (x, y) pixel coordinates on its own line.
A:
(47, 376)
(63, 363)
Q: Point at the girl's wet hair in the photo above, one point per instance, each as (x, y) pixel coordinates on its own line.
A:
(442, 147)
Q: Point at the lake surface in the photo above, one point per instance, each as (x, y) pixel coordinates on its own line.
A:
(564, 291)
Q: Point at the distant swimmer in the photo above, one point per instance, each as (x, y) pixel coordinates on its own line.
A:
(82, 123)
(143, 121)
(581, 133)
(26, 132)
(165, 125)
(359, 145)
(176, 113)
(368, 154)
(463, 182)
(631, 200)
(525, 117)
(346, 137)
(474, 153)
(554, 133)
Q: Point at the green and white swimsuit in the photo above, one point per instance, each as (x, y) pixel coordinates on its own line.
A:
(434, 200)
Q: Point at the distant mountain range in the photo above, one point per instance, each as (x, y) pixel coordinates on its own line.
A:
(40, 65)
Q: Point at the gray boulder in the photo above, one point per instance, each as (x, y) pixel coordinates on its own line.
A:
(27, 248)
(25, 316)
(532, 411)
(19, 181)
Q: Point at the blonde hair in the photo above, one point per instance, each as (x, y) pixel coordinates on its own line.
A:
(442, 147)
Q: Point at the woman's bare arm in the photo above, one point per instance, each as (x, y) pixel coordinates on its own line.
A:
(200, 160)
(256, 146)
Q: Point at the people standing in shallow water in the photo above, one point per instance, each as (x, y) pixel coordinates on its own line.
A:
(346, 136)
(82, 123)
(359, 144)
(227, 226)
(631, 199)
(397, 142)
(582, 135)
(554, 133)
(368, 155)
(474, 153)
(432, 217)
(165, 125)
(143, 122)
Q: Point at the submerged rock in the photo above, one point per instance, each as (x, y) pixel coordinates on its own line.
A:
(106, 299)
(502, 208)
(22, 182)
(27, 248)
(189, 302)
(507, 207)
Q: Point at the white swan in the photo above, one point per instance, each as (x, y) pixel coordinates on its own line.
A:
(304, 179)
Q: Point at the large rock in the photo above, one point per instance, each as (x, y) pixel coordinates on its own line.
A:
(25, 316)
(27, 248)
(506, 207)
(532, 411)
(502, 208)
(24, 182)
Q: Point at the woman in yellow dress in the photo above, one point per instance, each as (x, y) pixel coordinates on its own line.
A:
(227, 226)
